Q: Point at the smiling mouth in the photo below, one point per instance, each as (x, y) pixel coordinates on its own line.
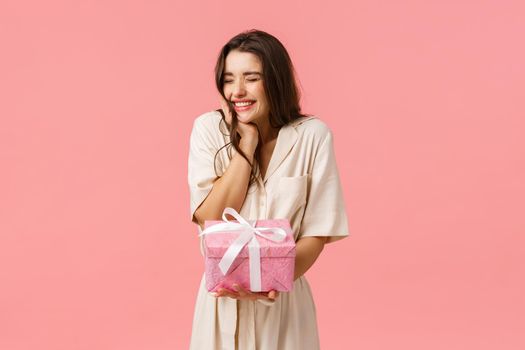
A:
(243, 106)
(243, 103)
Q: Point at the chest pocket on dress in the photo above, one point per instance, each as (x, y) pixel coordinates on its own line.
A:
(291, 196)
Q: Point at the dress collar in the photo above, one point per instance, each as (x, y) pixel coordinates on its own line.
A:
(286, 139)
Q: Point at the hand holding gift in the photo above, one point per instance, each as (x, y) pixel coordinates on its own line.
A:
(244, 294)
(246, 257)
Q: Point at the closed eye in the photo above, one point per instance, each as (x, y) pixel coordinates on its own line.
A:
(231, 81)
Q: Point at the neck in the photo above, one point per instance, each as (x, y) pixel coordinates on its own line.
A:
(268, 134)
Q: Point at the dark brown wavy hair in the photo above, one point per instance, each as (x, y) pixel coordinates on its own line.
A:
(279, 82)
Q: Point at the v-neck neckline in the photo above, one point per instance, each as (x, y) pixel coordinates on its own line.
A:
(286, 139)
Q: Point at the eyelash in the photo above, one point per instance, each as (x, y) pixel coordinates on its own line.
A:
(231, 81)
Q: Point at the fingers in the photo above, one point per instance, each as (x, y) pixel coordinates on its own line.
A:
(239, 293)
(222, 292)
(244, 294)
(273, 294)
(247, 294)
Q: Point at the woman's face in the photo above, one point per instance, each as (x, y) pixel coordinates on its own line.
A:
(243, 81)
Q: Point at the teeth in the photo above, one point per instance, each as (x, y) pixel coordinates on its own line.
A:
(241, 104)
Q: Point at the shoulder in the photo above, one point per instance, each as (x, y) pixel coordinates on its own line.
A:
(313, 129)
(208, 120)
(206, 129)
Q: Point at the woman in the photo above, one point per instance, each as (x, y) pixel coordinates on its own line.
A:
(261, 156)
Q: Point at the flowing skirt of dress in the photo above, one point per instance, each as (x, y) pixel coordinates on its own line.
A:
(224, 323)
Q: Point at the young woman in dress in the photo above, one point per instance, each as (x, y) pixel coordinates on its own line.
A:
(261, 156)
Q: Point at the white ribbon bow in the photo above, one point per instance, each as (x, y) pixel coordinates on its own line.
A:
(247, 235)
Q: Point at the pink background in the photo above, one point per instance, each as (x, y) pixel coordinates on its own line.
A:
(426, 103)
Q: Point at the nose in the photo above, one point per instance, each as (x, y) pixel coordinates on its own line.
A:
(239, 89)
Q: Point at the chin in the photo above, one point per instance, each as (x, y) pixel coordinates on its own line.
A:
(246, 119)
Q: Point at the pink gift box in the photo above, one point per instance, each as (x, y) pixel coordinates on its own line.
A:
(277, 259)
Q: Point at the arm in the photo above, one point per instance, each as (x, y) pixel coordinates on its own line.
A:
(229, 190)
(307, 251)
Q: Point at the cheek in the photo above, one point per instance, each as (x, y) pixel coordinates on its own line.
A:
(261, 95)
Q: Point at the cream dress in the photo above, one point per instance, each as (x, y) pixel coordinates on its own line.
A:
(302, 184)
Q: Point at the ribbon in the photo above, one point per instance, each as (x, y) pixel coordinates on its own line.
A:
(247, 235)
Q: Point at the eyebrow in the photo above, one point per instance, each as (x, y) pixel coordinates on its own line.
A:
(245, 73)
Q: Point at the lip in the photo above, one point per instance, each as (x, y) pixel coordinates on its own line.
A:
(245, 100)
(244, 108)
